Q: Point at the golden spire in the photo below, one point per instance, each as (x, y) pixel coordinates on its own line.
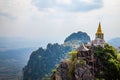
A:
(99, 30)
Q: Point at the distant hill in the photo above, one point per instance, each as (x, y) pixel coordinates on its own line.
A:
(8, 43)
(115, 42)
(14, 54)
(43, 61)
(12, 62)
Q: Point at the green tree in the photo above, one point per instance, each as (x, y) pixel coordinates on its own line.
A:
(107, 63)
(118, 57)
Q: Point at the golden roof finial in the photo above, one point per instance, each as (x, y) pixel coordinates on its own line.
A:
(99, 30)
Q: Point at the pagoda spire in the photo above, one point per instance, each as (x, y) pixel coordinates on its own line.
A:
(99, 30)
(99, 37)
(99, 33)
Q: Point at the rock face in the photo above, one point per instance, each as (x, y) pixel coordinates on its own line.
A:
(82, 72)
(43, 61)
(62, 71)
(78, 67)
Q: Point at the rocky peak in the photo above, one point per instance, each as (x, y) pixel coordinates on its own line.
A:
(76, 39)
(80, 36)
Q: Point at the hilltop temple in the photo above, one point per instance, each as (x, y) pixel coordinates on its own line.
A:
(85, 53)
(85, 50)
(99, 41)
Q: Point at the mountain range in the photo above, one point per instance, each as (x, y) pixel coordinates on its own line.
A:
(115, 42)
(43, 61)
(15, 53)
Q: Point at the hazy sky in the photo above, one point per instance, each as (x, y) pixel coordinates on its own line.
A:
(53, 20)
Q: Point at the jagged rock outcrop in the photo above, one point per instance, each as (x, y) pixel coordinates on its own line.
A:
(82, 72)
(63, 71)
(79, 71)
(77, 67)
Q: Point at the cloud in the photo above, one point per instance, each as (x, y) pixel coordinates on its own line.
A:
(68, 5)
(53, 20)
(7, 15)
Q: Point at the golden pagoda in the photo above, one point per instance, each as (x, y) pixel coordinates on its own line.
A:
(99, 37)
(99, 33)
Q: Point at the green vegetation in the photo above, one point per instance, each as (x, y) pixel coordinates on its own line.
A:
(71, 70)
(73, 59)
(107, 63)
(73, 55)
(118, 57)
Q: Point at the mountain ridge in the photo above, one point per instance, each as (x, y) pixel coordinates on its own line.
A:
(115, 42)
(42, 61)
